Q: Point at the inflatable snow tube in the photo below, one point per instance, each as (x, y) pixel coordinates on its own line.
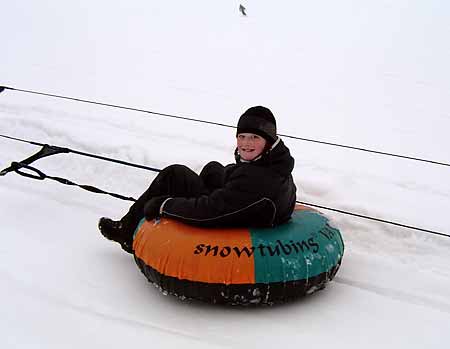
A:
(240, 265)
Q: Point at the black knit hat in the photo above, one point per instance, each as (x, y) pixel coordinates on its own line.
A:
(258, 120)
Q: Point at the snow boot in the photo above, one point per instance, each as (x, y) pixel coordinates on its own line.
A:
(113, 230)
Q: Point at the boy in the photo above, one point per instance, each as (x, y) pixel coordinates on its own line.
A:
(257, 191)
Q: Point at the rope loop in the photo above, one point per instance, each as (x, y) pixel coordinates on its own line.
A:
(18, 166)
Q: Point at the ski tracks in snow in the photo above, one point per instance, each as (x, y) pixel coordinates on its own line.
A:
(394, 294)
(34, 291)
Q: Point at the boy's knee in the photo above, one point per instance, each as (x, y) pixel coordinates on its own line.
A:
(177, 170)
(213, 164)
(211, 167)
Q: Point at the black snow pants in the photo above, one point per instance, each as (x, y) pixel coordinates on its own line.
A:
(175, 181)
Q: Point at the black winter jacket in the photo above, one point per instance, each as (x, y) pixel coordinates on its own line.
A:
(260, 193)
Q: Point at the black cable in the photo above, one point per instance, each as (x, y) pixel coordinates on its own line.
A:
(117, 161)
(368, 150)
(374, 219)
(40, 175)
(36, 174)
(115, 106)
(225, 125)
(22, 140)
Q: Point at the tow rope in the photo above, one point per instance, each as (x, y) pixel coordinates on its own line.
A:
(186, 118)
(48, 150)
(20, 167)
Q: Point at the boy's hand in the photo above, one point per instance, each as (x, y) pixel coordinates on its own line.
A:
(152, 207)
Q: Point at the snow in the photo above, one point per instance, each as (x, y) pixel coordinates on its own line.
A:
(361, 73)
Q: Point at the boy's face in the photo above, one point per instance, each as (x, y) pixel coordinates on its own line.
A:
(250, 145)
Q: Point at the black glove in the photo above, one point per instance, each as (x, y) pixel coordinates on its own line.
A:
(151, 208)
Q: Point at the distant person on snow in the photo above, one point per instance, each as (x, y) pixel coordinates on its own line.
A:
(242, 9)
(257, 191)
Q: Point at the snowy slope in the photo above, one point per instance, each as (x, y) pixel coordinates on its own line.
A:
(354, 72)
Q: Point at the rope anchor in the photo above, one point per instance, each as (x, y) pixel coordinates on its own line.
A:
(49, 150)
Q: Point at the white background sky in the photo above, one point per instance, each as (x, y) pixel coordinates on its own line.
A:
(362, 73)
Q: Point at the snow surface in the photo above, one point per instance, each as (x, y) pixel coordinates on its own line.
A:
(365, 73)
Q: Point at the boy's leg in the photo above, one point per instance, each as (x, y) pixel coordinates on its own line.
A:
(213, 175)
(174, 180)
